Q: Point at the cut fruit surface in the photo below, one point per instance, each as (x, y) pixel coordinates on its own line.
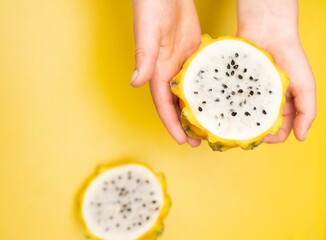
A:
(125, 201)
(231, 93)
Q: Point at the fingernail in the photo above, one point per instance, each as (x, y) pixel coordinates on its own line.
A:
(134, 76)
(305, 136)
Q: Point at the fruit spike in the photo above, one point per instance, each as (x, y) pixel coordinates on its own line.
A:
(247, 78)
(126, 200)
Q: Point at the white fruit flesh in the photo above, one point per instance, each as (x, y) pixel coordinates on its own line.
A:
(122, 203)
(239, 106)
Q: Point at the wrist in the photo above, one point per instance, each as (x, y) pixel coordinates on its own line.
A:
(275, 19)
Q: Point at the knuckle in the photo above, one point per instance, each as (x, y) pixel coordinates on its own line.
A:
(140, 52)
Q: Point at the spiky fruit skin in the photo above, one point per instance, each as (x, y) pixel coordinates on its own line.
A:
(194, 129)
(157, 230)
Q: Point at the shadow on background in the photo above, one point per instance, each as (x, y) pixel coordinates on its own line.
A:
(134, 104)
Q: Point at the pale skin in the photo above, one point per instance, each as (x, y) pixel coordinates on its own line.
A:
(167, 32)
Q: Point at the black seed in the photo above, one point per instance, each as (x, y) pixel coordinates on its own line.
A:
(250, 87)
(195, 92)
(124, 205)
(151, 193)
(264, 112)
(210, 90)
(236, 54)
(258, 93)
(99, 204)
(240, 77)
(251, 93)
(128, 228)
(231, 102)
(216, 70)
(251, 78)
(222, 115)
(154, 202)
(147, 181)
(147, 218)
(256, 79)
(111, 217)
(144, 205)
(258, 124)
(235, 66)
(129, 209)
(215, 78)
(224, 85)
(245, 70)
(117, 225)
(232, 73)
(138, 180)
(139, 223)
(119, 177)
(217, 100)
(203, 102)
(233, 92)
(227, 74)
(228, 66)
(122, 189)
(124, 216)
(247, 114)
(228, 97)
(245, 101)
(240, 104)
(200, 109)
(157, 208)
(234, 114)
(107, 229)
(232, 62)
(222, 91)
(104, 189)
(270, 92)
(240, 91)
(113, 182)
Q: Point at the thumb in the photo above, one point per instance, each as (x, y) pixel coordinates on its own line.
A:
(146, 32)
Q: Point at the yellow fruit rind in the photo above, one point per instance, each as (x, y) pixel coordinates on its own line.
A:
(190, 123)
(158, 227)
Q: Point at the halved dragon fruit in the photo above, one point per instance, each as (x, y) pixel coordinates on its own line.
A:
(124, 201)
(231, 93)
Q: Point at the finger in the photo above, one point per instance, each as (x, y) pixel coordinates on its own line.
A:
(163, 100)
(288, 117)
(305, 104)
(193, 141)
(146, 33)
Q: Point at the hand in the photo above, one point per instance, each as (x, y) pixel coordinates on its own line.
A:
(166, 34)
(274, 28)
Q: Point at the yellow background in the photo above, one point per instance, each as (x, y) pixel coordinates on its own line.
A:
(66, 106)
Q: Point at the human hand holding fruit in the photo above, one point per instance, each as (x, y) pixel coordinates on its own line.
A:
(273, 26)
(166, 34)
